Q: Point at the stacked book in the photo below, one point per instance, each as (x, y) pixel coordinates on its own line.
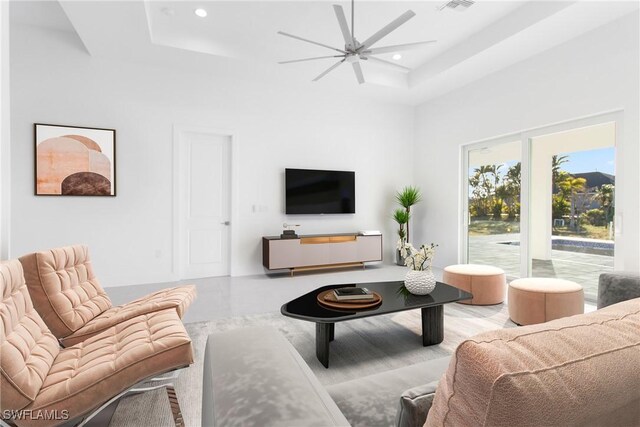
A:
(353, 294)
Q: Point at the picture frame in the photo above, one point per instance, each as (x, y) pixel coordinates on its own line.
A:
(74, 161)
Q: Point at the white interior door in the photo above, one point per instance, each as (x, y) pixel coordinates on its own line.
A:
(204, 204)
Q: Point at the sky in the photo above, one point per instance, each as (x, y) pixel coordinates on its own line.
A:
(601, 160)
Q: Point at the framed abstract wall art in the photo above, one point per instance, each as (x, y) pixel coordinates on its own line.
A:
(74, 161)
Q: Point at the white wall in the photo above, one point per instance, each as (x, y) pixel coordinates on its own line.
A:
(5, 164)
(130, 236)
(597, 72)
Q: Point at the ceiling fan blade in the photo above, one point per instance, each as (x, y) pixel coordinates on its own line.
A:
(353, 21)
(309, 59)
(388, 28)
(344, 27)
(397, 48)
(310, 41)
(328, 70)
(379, 61)
(357, 69)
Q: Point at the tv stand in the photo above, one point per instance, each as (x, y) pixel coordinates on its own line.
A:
(320, 251)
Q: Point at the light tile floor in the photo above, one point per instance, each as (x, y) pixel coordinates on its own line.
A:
(221, 297)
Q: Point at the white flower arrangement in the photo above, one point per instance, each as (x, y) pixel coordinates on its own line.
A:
(420, 260)
(405, 248)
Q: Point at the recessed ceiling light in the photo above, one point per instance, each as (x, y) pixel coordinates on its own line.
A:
(200, 12)
(397, 57)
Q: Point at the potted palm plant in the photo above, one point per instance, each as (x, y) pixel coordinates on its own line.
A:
(401, 216)
(407, 197)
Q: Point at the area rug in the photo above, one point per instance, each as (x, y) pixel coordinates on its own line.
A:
(361, 347)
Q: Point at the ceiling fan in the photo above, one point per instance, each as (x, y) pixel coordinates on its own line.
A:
(354, 51)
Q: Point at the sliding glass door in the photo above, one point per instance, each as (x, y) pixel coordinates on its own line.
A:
(541, 203)
(493, 200)
(572, 205)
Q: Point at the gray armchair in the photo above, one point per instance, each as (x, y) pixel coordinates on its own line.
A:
(616, 287)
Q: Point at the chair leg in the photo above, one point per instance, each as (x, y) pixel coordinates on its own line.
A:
(149, 384)
(175, 406)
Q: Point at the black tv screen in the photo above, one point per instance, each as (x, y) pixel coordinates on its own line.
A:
(320, 192)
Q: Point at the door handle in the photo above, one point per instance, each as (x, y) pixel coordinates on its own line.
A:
(226, 223)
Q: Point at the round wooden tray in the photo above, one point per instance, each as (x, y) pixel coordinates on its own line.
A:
(328, 299)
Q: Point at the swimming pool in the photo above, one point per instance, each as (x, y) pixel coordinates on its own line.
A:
(587, 246)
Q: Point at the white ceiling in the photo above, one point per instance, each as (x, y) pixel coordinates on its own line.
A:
(45, 14)
(471, 44)
(249, 28)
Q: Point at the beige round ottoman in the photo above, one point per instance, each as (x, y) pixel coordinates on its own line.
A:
(486, 283)
(537, 300)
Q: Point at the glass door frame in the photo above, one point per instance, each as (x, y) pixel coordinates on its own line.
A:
(464, 201)
(526, 138)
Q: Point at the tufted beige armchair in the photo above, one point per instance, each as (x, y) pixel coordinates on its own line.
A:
(42, 384)
(68, 295)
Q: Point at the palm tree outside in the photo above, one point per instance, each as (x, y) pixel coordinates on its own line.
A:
(572, 186)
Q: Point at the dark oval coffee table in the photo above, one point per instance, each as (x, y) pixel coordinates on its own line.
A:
(395, 298)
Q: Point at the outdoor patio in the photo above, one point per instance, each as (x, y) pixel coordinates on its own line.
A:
(582, 268)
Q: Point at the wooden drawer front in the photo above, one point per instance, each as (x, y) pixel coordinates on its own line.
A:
(343, 239)
(327, 239)
(314, 240)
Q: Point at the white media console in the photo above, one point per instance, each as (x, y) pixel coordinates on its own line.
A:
(321, 251)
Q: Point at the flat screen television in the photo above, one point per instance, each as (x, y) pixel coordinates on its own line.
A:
(311, 191)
